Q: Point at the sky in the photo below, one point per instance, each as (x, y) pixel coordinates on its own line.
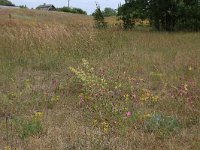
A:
(87, 5)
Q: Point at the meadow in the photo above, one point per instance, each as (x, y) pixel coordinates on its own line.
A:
(65, 85)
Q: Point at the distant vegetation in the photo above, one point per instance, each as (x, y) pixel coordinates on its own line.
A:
(6, 3)
(72, 10)
(9, 3)
(168, 15)
(107, 12)
(23, 6)
(99, 18)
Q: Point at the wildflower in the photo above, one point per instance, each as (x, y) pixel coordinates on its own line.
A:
(147, 96)
(155, 98)
(85, 63)
(185, 87)
(190, 68)
(128, 114)
(105, 126)
(38, 115)
(54, 82)
(142, 80)
(13, 95)
(95, 122)
(81, 100)
(147, 116)
(118, 85)
(125, 109)
(55, 98)
(27, 83)
(131, 79)
(126, 97)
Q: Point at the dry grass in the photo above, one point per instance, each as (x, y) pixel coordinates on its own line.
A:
(36, 50)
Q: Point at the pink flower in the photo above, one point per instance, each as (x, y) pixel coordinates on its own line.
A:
(54, 82)
(81, 100)
(128, 114)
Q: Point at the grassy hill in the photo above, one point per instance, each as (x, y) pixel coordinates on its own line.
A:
(66, 85)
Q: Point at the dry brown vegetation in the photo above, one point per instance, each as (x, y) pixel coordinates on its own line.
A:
(49, 100)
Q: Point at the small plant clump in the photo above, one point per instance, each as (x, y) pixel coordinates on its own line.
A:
(162, 125)
(99, 18)
(29, 127)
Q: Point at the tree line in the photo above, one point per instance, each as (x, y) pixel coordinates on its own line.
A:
(72, 10)
(168, 15)
(6, 3)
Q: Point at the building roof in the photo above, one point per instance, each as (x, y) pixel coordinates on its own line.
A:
(46, 6)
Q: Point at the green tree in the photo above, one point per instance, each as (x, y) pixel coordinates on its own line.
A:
(6, 3)
(23, 6)
(163, 14)
(168, 15)
(109, 12)
(99, 18)
(72, 10)
(79, 11)
(188, 15)
(131, 10)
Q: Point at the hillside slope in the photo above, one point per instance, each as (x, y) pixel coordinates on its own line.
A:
(66, 85)
(37, 16)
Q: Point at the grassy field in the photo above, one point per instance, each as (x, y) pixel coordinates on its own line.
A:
(65, 85)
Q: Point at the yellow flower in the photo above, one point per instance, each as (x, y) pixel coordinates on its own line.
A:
(145, 96)
(57, 98)
(105, 126)
(147, 116)
(190, 68)
(126, 96)
(155, 98)
(125, 109)
(38, 115)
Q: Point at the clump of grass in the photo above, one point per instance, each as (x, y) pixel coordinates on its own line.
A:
(162, 125)
(28, 127)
